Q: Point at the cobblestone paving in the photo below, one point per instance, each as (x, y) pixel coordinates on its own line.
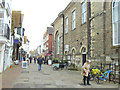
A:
(48, 78)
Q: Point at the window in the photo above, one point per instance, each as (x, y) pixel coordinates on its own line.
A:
(66, 29)
(84, 12)
(116, 22)
(73, 19)
(19, 31)
(57, 43)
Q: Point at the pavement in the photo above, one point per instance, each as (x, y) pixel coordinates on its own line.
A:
(11, 75)
(46, 78)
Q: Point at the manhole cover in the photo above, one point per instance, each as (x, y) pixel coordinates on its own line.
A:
(25, 72)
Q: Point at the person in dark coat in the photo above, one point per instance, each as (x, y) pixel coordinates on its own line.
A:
(39, 63)
(35, 60)
(30, 59)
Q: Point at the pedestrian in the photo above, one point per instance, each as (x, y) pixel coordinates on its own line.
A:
(30, 59)
(39, 63)
(85, 71)
(34, 60)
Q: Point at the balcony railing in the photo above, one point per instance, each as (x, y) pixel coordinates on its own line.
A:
(4, 30)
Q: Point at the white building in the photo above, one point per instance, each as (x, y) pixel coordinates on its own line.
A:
(6, 40)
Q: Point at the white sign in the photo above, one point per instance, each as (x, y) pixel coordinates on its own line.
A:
(66, 47)
(68, 57)
(24, 64)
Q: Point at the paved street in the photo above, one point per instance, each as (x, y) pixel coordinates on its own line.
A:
(48, 78)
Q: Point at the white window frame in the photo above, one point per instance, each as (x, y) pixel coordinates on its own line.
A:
(66, 25)
(115, 23)
(84, 12)
(73, 19)
(58, 40)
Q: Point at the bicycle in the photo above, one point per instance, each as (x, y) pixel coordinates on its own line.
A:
(104, 77)
(94, 72)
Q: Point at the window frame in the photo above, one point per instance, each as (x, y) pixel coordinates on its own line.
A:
(73, 19)
(115, 24)
(58, 40)
(84, 13)
(66, 25)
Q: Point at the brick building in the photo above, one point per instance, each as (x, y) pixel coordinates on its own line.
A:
(48, 39)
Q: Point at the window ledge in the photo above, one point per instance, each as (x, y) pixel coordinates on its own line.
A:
(83, 23)
(66, 33)
(73, 29)
(117, 46)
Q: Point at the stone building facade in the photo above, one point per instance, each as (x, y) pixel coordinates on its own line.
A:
(88, 32)
(58, 37)
(102, 33)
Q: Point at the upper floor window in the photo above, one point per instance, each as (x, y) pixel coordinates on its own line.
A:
(19, 31)
(66, 26)
(84, 12)
(116, 22)
(73, 19)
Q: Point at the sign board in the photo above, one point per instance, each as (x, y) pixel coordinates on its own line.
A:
(24, 64)
(66, 47)
(68, 57)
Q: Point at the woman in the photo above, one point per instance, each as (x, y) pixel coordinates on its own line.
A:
(85, 70)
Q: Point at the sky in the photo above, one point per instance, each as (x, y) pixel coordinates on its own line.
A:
(38, 15)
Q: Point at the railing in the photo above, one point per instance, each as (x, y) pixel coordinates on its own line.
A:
(4, 30)
(1, 27)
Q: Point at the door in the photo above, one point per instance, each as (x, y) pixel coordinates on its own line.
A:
(84, 58)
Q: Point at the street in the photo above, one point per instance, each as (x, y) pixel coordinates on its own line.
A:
(47, 78)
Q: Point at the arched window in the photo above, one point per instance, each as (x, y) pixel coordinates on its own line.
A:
(57, 43)
(73, 54)
(116, 22)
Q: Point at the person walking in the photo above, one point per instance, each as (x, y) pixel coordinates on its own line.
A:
(39, 63)
(30, 59)
(85, 71)
(34, 60)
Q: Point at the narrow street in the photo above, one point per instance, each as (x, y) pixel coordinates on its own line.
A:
(47, 78)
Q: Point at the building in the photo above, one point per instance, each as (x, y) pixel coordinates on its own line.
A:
(25, 47)
(48, 41)
(87, 30)
(70, 35)
(17, 18)
(6, 38)
(58, 37)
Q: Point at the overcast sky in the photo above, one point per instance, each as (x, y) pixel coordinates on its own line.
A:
(38, 14)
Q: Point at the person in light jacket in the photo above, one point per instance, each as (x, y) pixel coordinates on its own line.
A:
(85, 71)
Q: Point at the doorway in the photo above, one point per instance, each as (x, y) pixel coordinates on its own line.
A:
(83, 56)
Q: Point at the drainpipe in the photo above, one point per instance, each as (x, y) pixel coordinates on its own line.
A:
(104, 32)
(63, 39)
(89, 27)
(119, 63)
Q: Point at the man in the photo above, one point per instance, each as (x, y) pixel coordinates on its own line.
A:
(85, 71)
(39, 63)
(30, 59)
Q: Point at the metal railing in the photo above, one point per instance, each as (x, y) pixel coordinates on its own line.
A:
(4, 30)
